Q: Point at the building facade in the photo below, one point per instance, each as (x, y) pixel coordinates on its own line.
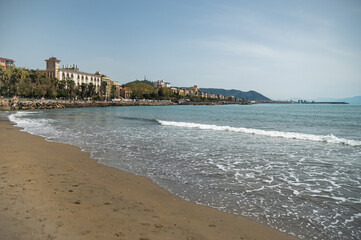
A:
(5, 62)
(194, 89)
(125, 92)
(161, 84)
(71, 72)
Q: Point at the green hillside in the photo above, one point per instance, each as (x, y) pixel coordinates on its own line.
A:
(140, 81)
(248, 96)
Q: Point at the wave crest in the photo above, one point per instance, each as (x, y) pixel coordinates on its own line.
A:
(288, 135)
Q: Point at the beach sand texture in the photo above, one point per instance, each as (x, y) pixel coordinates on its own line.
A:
(55, 191)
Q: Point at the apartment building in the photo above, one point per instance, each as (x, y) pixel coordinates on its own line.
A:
(5, 62)
(71, 72)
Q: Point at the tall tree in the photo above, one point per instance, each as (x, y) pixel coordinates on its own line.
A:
(15, 78)
(103, 89)
(83, 88)
(91, 90)
(70, 88)
(4, 81)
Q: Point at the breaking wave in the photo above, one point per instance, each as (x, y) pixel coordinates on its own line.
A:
(38, 126)
(288, 135)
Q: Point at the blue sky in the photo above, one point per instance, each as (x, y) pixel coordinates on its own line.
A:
(282, 49)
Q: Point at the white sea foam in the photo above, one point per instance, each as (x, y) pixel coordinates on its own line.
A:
(255, 190)
(20, 120)
(34, 126)
(301, 180)
(288, 135)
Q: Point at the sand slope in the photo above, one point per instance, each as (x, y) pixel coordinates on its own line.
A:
(55, 191)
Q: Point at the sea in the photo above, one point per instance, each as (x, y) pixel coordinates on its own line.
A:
(296, 167)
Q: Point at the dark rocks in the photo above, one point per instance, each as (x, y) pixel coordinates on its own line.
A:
(16, 104)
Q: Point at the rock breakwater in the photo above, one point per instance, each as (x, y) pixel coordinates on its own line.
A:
(27, 104)
(16, 104)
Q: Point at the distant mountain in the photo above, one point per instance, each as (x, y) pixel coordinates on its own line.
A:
(351, 100)
(356, 99)
(249, 96)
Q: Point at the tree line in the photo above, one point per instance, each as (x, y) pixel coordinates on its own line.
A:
(32, 83)
(145, 90)
(141, 90)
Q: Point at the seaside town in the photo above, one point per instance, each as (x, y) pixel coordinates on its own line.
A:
(65, 86)
(66, 83)
(181, 120)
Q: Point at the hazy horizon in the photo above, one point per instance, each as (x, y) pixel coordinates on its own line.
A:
(281, 49)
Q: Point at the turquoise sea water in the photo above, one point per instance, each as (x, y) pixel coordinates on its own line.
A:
(296, 168)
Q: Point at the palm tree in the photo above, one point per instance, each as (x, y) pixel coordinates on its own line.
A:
(103, 89)
(91, 89)
(15, 78)
(55, 82)
(83, 88)
(4, 79)
(70, 87)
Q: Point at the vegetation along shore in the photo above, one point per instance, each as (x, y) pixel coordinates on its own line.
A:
(31, 85)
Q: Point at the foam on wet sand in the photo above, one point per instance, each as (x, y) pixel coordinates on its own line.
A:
(55, 191)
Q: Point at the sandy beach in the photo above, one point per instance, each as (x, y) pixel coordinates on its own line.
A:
(55, 191)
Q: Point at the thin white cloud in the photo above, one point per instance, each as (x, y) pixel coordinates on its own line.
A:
(299, 31)
(240, 48)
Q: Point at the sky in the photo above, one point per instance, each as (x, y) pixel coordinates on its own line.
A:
(288, 49)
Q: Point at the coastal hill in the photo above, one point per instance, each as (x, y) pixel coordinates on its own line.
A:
(354, 100)
(248, 96)
(150, 83)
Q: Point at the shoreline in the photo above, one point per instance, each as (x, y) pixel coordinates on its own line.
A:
(31, 104)
(55, 191)
(7, 104)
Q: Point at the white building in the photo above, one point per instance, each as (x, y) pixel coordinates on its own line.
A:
(161, 83)
(71, 72)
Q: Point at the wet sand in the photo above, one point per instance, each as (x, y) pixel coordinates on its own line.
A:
(55, 191)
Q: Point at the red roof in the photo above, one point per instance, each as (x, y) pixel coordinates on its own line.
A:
(6, 59)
